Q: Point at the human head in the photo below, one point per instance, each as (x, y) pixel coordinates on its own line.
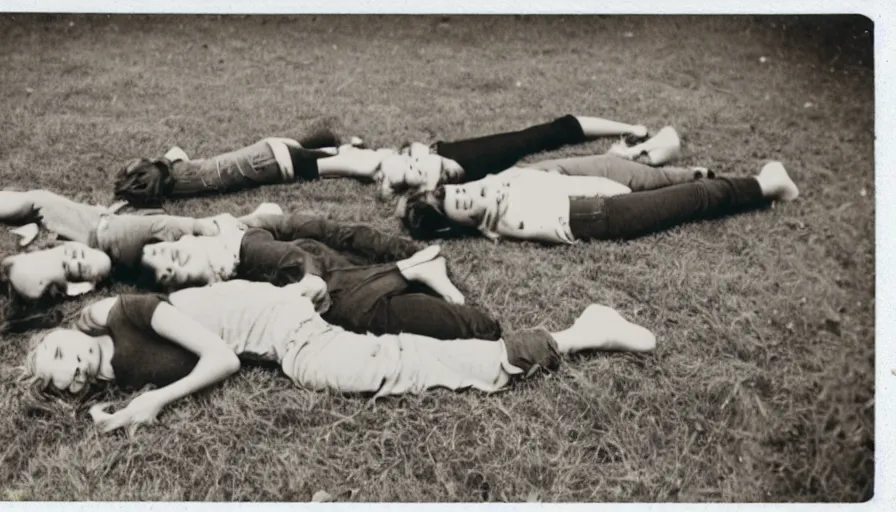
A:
(182, 263)
(64, 360)
(442, 213)
(36, 274)
(144, 182)
(414, 169)
(196, 260)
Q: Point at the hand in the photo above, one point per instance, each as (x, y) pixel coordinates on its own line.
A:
(142, 410)
(315, 289)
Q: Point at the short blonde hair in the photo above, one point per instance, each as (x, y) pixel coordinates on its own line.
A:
(43, 396)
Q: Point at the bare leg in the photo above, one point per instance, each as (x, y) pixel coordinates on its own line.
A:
(433, 274)
(594, 127)
(603, 328)
(660, 149)
(349, 161)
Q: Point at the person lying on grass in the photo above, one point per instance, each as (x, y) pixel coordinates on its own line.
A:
(557, 208)
(367, 280)
(197, 337)
(277, 160)
(421, 168)
(96, 239)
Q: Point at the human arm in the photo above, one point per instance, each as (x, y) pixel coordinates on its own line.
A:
(351, 162)
(216, 362)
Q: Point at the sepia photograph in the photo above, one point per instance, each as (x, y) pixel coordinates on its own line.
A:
(437, 258)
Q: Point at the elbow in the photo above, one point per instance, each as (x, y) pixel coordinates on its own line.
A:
(231, 363)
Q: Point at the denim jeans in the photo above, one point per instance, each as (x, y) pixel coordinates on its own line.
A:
(640, 213)
(237, 170)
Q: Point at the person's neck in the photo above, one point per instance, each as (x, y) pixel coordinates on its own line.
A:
(107, 349)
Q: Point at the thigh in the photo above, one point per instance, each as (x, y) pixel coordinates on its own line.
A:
(344, 362)
(426, 315)
(248, 166)
(357, 293)
(396, 364)
(267, 260)
(635, 175)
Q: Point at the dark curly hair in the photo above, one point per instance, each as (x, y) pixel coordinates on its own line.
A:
(144, 182)
(424, 217)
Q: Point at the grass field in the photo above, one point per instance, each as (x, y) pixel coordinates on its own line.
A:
(761, 388)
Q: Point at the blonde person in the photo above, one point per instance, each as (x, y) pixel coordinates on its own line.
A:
(198, 337)
(278, 160)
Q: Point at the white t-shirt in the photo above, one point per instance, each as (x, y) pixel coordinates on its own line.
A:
(263, 322)
(531, 204)
(257, 320)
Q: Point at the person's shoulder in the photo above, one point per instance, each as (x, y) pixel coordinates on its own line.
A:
(139, 308)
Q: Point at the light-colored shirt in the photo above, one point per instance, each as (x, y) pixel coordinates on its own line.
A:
(530, 204)
(257, 320)
(264, 322)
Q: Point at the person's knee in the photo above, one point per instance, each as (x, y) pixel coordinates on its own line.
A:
(532, 349)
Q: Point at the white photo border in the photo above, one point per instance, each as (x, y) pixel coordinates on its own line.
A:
(881, 12)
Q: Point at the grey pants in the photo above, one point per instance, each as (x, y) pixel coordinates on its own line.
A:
(634, 175)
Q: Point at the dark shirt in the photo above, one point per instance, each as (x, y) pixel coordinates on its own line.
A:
(141, 356)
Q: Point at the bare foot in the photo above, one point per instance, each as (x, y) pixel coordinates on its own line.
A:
(776, 183)
(660, 149)
(434, 274)
(268, 209)
(419, 257)
(603, 328)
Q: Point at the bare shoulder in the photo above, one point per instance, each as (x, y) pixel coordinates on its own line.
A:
(98, 312)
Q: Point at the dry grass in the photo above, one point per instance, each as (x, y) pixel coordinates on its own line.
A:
(761, 388)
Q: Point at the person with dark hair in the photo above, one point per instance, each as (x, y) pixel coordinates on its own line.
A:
(198, 337)
(96, 239)
(419, 168)
(273, 160)
(563, 209)
(414, 166)
(374, 282)
(363, 280)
